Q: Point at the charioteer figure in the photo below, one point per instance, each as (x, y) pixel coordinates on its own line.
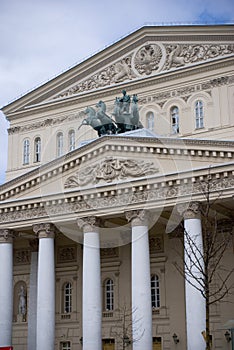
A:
(125, 120)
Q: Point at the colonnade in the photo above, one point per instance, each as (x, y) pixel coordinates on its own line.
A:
(44, 328)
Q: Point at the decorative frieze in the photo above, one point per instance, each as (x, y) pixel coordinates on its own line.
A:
(66, 254)
(156, 244)
(109, 252)
(22, 256)
(111, 169)
(141, 195)
(149, 59)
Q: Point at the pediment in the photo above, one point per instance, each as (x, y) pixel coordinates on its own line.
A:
(132, 159)
(148, 52)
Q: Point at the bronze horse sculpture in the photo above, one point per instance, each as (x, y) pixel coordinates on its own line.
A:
(125, 120)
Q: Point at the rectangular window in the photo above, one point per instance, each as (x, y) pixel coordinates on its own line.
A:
(157, 343)
(65, 345)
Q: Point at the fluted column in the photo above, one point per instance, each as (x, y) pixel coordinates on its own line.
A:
(92, 302)
(6, 287)
(45, 288)
(141, 289)
(193, 257)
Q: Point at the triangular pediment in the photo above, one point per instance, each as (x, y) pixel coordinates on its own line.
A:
(132, 158)
(150, 51)
(117, 173)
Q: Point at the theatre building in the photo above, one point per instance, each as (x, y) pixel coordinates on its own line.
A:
(111, 168)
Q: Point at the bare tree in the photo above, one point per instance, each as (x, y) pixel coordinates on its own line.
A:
(123, 329)
(203, 264)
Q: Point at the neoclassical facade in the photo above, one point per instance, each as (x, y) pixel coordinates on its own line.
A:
(91, 241)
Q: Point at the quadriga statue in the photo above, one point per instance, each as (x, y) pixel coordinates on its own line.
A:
(126, 116)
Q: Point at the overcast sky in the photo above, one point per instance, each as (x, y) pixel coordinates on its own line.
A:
(40, 39)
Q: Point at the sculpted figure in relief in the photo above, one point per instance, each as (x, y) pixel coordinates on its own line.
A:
(22, 301)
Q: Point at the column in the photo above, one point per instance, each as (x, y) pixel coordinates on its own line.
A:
(92, 301)
(194, 301)
(45, 288)
(32, 304)
(141, 287)
(6, 287)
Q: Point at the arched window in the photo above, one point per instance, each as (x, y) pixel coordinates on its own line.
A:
(71, 140)
(109, 295)
(26, 151)
(67, 298)
(150, 121)
(155, 292)
(37, 149)
(199, 114)
(175, 120)
(59, 144)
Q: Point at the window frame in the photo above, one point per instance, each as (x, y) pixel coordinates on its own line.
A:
(175, 119)
(150, 120)
(109, 294)
(155, 291)
(26, 151)
(71, 140)
(67, 297)
(199, 114)
(59, 140)
(37, 149)
(65, 345)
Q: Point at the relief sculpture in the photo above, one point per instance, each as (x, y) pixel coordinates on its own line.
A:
(109, 170)
(149, 59)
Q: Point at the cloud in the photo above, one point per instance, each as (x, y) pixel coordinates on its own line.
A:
(42, 38)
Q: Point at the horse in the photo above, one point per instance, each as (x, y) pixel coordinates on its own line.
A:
(99, 120)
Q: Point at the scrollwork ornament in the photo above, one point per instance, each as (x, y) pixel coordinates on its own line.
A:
(137, 217)
(89, 224)
(44, 230)
(6, 236)
(190, 210)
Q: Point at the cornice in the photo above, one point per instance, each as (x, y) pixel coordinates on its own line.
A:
(119, 145)
(159, 193)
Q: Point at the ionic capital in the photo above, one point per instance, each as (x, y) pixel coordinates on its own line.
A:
(89, 224)
(190, 210)
(137, 217)
(44, 230)
(6, 236)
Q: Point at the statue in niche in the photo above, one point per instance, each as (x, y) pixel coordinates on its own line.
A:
(22, 308)
(125, 120)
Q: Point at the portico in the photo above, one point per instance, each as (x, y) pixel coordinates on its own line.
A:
(106, 161)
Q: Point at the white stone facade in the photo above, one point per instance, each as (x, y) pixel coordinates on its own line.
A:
(90, 227)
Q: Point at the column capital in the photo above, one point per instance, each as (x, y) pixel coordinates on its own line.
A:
(89, 223)
(190, 210)
(6, 236)
(137, 217)
(44, 230)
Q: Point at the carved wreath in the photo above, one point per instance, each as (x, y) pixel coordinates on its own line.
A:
(110, 169)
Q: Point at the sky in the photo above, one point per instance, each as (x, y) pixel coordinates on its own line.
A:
(41, 39)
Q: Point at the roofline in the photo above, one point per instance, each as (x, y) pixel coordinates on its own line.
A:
(145, 26)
